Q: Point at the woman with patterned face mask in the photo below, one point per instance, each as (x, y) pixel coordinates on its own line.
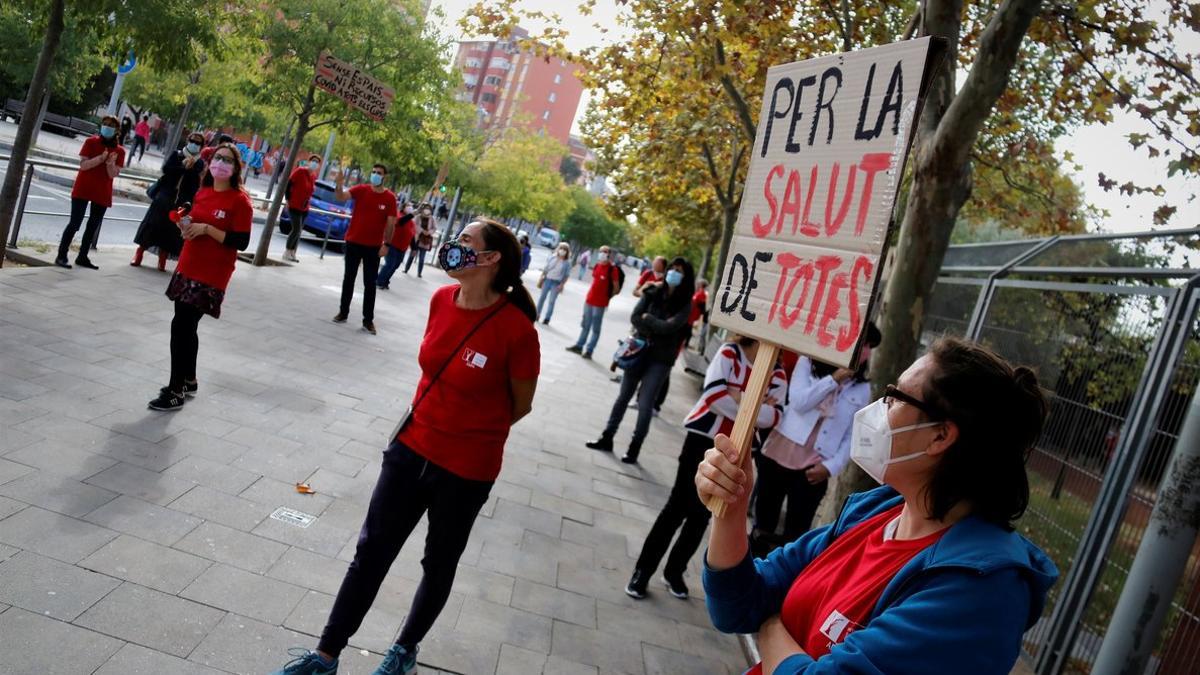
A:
(180, 181)
(479, 367)
(102, 159)
(922, 575)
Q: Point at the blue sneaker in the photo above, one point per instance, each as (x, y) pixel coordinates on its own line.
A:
(398, 661)
(306, 663)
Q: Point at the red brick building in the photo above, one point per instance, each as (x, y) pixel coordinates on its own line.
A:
(507, 84)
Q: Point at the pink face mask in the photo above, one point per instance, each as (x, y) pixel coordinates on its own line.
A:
(221, 170)
(864, 355)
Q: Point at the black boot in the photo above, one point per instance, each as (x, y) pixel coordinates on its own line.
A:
(631, 455)
(603, 444)
(636, 588)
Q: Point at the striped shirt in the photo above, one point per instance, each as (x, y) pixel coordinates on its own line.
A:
(716, 410)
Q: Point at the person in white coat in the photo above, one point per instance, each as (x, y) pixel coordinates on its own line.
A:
(810, 445)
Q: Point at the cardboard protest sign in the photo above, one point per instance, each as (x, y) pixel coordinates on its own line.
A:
(805, 259)
(347, 82)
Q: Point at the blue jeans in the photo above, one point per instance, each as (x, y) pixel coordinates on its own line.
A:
(549, 290)
(650, 374)
(391, 263)
(593, 318)
(582, 271)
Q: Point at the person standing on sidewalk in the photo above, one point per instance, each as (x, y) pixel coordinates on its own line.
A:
(480, 361)
(810, 446)
(299, 191)
(126, 129)
(102, 160)
(713, 414)
(423, 242)
(372, 222)
(554, 279)
(217, 227)
(406, 229)
(660, 318)
(699, 310)
(606, 282)
(584, 259)
(925, 574)
(180, 181)
(141, 138)
(526, 253)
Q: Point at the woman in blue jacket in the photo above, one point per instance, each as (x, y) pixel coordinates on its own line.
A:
(922, 575)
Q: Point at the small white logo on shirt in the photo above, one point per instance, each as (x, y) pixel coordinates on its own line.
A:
(219, 214)
(837, 626)
(474, 359)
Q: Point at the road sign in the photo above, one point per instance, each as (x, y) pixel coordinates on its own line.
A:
(805, 261)
(129, 64)
(344, 80)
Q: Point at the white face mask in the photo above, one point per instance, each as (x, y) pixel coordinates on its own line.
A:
(603, 257)
(871, 440)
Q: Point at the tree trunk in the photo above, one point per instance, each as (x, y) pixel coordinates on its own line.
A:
(277, 171)
(180, 124)
(706, 263)
(29, 118)
(942, 180)
(729, 211)
(264, 239)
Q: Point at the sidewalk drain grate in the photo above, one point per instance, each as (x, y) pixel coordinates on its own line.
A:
(293, 517)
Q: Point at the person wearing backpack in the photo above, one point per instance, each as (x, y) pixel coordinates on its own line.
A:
(606, 282)
(660, 318)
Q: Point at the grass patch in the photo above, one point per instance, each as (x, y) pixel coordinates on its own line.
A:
(36, 245)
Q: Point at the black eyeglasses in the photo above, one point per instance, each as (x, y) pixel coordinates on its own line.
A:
(891, 393)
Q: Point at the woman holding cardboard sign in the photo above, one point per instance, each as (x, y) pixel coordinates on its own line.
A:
(924, 574)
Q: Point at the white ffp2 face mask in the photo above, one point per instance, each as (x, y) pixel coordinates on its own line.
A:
(871, 440)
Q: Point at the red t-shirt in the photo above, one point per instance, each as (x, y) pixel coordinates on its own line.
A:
(835, 595)
(699, 304)
(302, 181)
(462, 423)
(603, 274)
(370, 215)
(95, 185)
(648, 276)
(204, 259)
(142, 130)
(406, 229)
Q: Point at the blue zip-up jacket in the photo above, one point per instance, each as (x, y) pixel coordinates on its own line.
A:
(959, 606)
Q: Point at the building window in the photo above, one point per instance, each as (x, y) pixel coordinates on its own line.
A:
(473, 63)
(488, 98)
(500, 64)
(471, 80)
(492, 79)
(558, 79)
(553, 97)
(546, 115)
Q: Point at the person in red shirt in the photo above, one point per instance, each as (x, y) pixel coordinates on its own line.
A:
(141, 138)
(299, 191)
(102, 160)
(606, 282)
(406, 230)
(699, 309)
(925, 574)
(372, 222)
(180, 180)
(207, 153)
(479, 361)
(216, 228)
(651, 275)
(424, 227)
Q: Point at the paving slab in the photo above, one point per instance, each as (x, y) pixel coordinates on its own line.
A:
(32, 643)
(245, 593)
(152, 619)
(53, 535)
(146, 563)
(143, 519)
(51, 588)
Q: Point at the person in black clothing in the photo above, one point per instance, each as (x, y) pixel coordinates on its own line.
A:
(180, 180)
(126, 128)
(660, 317)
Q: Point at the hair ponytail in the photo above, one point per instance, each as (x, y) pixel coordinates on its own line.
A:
(508, 278)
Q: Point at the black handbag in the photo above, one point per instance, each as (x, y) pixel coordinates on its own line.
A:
(407, 416)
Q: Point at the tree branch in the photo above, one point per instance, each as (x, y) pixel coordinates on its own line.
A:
(913, 22)
(838, 20)
(738, 153)
(1069, 14)
(1013, 183)
(715, 176)
(735, 96)
(969, 109)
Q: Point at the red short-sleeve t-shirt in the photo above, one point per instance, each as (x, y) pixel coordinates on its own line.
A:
(204, 259)
(602, 278)
(699, 304)
(406, 229)
(462, 423)
(302, 183)
(835, 595)
(371, 212)
(95, 185)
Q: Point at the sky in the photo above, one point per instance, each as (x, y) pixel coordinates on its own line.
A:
(1097, 148)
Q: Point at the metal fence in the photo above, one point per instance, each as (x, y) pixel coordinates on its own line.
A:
(1110, 322)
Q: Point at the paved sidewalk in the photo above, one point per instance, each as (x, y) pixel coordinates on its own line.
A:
(142, 542)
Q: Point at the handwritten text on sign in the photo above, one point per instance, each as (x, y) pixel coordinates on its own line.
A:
(347, 82)
(805, 259)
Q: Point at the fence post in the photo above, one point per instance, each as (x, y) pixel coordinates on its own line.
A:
(984, 303)
(1161, 559)
(20, 214)
(1109, 509)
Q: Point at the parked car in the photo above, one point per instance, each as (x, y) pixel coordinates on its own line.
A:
(548, 237)
(324, 198)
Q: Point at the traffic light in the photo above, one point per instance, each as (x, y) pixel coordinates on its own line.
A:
(442, 189)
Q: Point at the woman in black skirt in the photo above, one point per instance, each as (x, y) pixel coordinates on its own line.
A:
(178, 185)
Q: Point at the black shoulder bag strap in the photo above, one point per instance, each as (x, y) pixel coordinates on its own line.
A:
(404, 419)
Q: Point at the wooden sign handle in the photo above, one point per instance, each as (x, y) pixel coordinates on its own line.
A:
(744, 426)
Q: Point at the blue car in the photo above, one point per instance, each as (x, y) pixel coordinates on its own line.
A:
(324, 198)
